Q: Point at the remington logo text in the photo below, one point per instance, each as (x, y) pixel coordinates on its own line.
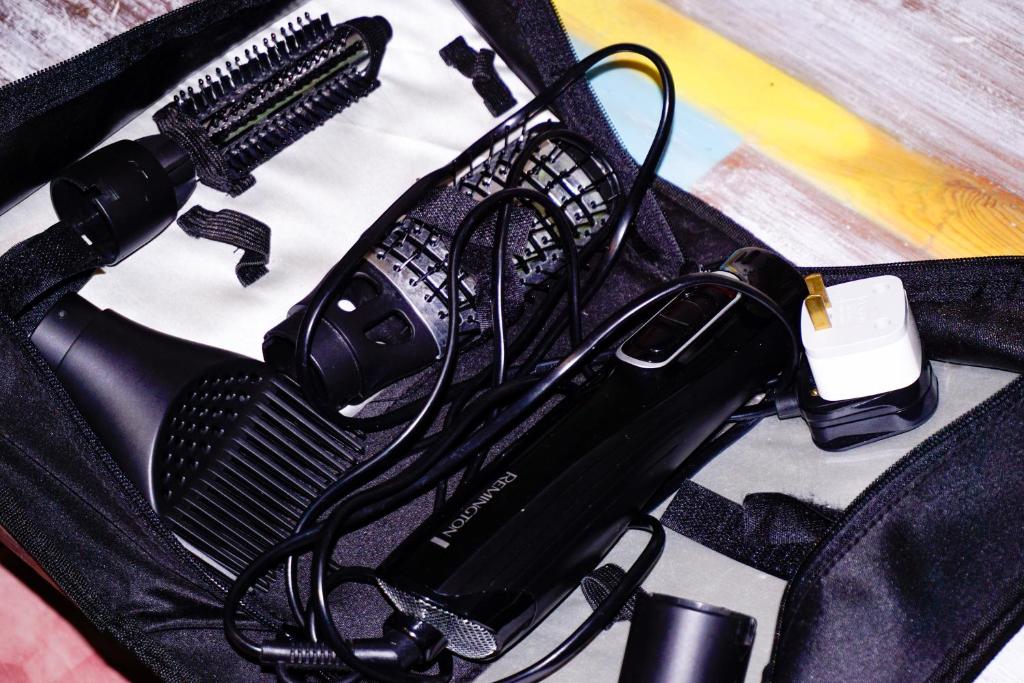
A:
(471, 510)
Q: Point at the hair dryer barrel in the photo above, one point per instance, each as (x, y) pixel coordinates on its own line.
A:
(122, 376)
(493, 563)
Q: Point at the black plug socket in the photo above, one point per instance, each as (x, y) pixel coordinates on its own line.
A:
(842, 425)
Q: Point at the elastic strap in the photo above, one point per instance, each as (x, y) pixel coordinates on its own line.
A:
(598, 585)
(212, 168)
(479, 67)
(235, 229)
(771, 532)
(37, 271)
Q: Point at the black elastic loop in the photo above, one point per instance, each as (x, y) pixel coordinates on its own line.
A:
(56, 260)
(212, 167)
(598, 585)
(479, 67)
(605, 613)
(237, 230)
(771, 532)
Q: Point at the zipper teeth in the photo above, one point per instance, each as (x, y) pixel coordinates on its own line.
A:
(702, 211)
(917, 265)
(865, 497)
(600, 105)
(194, 6)
(96, 611)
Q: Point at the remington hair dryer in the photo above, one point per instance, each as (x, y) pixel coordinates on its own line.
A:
(495, 561)
(223, 447)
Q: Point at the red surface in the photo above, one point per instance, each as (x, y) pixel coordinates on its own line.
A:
(43, 638)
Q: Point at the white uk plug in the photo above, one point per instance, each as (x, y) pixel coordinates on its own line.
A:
(860, 337)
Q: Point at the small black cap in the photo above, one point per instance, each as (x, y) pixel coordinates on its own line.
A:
(673, 640)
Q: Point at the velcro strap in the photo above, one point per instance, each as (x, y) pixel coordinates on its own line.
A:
(771, 532)
(479, 67)
(42, 268)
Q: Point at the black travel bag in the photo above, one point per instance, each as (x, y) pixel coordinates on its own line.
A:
(919, 579)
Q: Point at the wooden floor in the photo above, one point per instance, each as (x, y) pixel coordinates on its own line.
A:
(37, 33)
(863, 132)
(845, 131)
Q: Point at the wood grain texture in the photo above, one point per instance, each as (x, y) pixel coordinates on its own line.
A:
(795, 217)
(944, 76)
(943, 209)
(35, 34)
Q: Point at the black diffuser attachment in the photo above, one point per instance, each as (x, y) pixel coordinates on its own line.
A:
(672, 640)
(240, 116)
(223, 446)
(123, 195)
(389, 317)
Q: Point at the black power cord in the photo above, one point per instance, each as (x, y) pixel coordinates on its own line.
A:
(446, 457)
(468, 434)
(621, 219)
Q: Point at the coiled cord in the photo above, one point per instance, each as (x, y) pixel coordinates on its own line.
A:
(467, 435)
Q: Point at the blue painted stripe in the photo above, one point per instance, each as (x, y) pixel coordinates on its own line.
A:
(633, 103)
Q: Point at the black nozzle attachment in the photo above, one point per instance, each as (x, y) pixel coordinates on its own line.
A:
(673, 640)
(123, 195)
(122, 376)
(222, 447)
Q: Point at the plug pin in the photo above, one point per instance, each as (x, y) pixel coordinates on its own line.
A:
(816, 286)
(818, 311)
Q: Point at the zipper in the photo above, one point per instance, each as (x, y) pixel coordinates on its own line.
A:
(18, 526)
(192, 7)
(887, 268)
(140, 505)
(866, 497)
(697, 207)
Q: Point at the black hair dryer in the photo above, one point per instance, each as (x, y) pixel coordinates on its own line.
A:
(493, 563)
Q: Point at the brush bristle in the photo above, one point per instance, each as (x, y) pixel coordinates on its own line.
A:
(303, 75)
(572, 174)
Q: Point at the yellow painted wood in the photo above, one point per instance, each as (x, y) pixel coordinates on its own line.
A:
(940, 208)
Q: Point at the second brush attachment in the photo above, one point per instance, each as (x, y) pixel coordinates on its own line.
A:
(236, 118)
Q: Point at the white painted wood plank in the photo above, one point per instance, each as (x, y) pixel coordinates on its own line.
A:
(943, 76)
(35, 34)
